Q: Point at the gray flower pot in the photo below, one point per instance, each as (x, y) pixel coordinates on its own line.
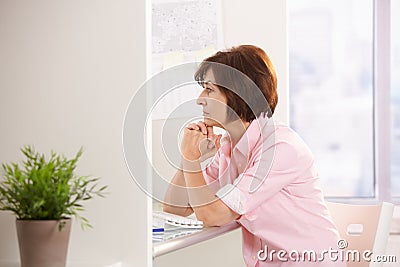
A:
(41, 244)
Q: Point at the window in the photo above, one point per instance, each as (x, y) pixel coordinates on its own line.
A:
(395, 96)
(331, 90)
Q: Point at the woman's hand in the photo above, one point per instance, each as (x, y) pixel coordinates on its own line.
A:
(209, 147)
(199, 142)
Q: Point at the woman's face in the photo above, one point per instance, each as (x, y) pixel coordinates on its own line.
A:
(213, 101)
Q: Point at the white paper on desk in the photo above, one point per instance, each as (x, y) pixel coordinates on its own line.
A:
(169, 235)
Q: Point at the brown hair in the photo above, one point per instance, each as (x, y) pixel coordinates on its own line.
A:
(243, 95)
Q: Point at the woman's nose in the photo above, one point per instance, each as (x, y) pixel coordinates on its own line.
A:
(201, 100)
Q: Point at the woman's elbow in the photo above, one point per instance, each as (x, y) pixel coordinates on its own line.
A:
(181, 211)
(167, 208)
(210, 218)
(209, 221)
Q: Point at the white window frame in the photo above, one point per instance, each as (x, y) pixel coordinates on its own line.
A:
(382, 88)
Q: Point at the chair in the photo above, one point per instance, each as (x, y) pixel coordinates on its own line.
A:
(364, 227)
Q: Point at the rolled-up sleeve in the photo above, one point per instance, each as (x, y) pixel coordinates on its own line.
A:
(267, 173)
(233, 197)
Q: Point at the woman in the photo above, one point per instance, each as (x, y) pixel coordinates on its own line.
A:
(262, 174)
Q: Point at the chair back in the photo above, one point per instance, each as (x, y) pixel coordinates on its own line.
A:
(364, 228)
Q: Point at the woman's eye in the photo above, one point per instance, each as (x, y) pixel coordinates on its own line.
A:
(208, 90)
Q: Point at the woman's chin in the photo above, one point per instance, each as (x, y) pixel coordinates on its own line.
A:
(210, 122)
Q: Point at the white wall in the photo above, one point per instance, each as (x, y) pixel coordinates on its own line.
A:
(261, 23)
(67, 72)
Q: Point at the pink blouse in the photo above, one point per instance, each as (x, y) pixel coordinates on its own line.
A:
(270, 179)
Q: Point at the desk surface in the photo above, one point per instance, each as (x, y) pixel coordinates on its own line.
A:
(179, 239)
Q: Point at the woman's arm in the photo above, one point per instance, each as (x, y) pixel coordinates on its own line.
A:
(177, 196)
(176, 199)
(207, 207)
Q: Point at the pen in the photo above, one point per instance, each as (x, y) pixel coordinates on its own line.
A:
(158, 230)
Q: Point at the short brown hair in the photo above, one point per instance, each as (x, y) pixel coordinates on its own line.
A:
(241, 96)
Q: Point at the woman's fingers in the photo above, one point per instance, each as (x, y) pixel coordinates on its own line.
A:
(211, 143)
(210, 132)
(203, 127)
(200, 126)
(218, 141)
(193, 126)
(214, 141)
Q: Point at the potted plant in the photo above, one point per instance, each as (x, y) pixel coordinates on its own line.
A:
(44, 195)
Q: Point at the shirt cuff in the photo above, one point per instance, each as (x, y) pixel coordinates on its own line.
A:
(232, 197)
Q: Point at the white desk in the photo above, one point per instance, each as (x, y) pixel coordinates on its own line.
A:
(181, 241)
(69, 264)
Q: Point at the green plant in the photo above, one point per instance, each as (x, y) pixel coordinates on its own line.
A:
(43, 189)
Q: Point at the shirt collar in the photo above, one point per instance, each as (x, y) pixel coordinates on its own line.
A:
(249, 139)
